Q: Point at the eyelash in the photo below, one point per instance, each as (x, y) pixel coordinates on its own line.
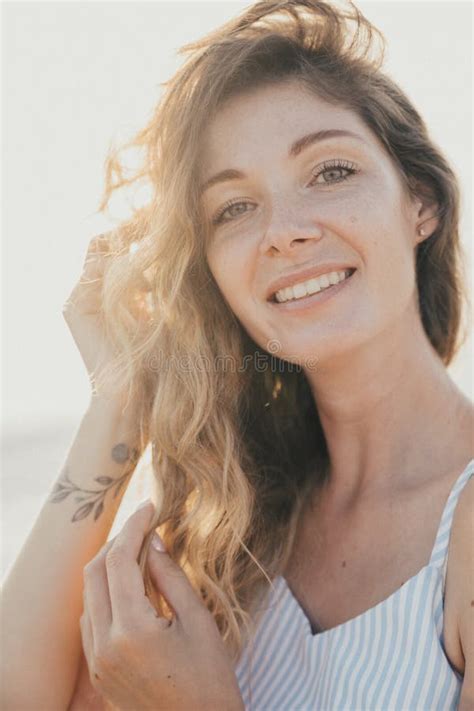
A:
(330, 165)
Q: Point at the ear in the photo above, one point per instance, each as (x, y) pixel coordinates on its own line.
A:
(426, 213)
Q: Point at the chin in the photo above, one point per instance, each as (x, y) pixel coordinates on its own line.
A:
(311, 351)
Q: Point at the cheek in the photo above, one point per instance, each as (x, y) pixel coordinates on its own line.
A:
(381, 232)
(391, 270)
(380, 236)
(232, 274)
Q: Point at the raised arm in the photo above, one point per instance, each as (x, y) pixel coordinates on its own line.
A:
(41, 600)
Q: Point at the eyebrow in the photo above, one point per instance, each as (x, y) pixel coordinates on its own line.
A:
(295, 149)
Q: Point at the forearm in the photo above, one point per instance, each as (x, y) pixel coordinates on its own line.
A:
(42, 593)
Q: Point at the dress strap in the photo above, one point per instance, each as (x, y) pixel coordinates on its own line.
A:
(439, 554)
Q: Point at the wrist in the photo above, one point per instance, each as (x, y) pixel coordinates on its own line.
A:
(122, 417)
(113, 405)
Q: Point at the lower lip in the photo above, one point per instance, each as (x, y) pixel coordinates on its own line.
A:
(307, 302)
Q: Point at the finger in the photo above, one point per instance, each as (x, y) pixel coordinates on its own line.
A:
(99, 244)
(126, 586)
(86, 295)
(96, 593)
(85, 298)
(171, 580)
(94, 260)
(89, 677)
(87, 637)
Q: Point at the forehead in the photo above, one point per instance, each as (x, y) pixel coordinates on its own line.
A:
(253, 125)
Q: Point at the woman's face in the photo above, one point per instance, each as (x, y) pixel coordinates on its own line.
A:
(329, 205)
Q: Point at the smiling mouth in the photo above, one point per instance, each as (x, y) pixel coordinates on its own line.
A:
(311, 291)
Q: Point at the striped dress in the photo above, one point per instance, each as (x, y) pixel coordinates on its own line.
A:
(389, 658)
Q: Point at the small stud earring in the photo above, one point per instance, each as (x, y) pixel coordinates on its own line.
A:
(421, 232)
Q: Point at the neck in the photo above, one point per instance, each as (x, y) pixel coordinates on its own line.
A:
(389, 410)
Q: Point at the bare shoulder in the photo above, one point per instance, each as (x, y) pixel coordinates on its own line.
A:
(460, 579)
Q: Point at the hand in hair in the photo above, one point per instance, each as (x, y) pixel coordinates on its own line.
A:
(83, 312)
(137, 659)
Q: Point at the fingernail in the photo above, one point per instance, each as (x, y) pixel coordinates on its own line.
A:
(144, 503)
(157, 543)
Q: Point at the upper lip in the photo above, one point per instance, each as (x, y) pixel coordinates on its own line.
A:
(304, 275)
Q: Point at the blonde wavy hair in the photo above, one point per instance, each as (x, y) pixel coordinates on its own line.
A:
(235, 451)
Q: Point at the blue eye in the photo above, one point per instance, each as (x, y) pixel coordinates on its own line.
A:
(218, 218)
(336, 166)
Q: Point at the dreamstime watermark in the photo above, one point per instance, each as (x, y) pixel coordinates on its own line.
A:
(258, 361)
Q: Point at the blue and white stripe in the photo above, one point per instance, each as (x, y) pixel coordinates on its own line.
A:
(389, 658)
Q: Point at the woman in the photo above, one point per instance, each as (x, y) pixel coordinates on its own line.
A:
(281, 337)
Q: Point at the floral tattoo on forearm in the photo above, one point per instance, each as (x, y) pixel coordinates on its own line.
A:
(93, 500)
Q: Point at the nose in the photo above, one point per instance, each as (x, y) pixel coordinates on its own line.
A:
(288, 232)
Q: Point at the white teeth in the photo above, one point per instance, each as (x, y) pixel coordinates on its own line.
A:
(299, 290)
(311, 286)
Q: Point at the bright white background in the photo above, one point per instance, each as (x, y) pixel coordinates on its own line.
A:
(75, 76)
